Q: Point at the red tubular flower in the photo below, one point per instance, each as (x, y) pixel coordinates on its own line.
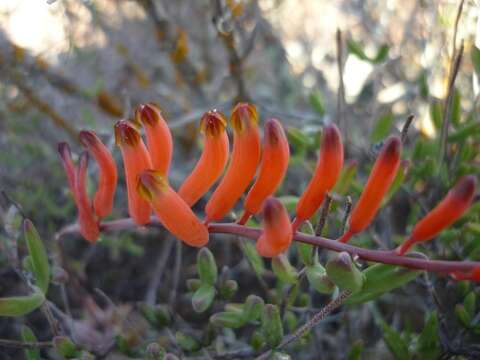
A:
(328, 169)
(276, 154)
(277, 231)
(212, 161)
(86, 218)
(378, 183)
(159, 138)
(107, 183)
(171, 210)
(66, 156)
(453, 206)
(473, 275)
(135, 160)
(243, 165)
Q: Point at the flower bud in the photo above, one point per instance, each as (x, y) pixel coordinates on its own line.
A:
(381, 177)
(328, 169)
(159, 137)
(253, 308)
(107, 183)
(171, 210)
(276, 154)
(207, 267)
(277, 231)
(453, 206)
(344, 273)
(135, 160)
(243, 164)
(318, 279)
(212, 161)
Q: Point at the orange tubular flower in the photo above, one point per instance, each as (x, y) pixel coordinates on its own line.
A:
(171, 210)
(66, 156)
(213, 160)
(107, 183)
(378, 183)
(159, 138)
(453, 206)
(276, 154)
(328, 169)
(135, 160)
(86, 218)
(277, 231)
(473, 275)
(243, 165)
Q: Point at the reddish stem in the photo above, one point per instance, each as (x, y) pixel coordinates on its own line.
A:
(378, 256)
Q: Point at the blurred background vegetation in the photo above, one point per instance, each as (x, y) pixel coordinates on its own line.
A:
(67, 65)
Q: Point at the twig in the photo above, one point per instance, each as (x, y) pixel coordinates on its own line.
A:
(151, 296)
(332, 305)
(380, 256)
(176, 274)
(348, 210)
(45, 308)
(341, 86)
(405, 127)
(323, 215)
(24, 344)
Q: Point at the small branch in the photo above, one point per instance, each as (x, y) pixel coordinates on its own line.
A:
(379, 256)
(406, 126)
(323, 215)
(45, 308)
(332, 305)
(24, 344)
(151, 296)
(341, 86)
(176, 274)
(348, 210)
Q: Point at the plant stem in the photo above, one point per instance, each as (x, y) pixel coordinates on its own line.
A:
(379, 256)
(24, 344)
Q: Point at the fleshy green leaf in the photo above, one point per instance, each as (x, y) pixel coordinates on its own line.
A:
(253, 307)
(29, 336)
(186, 342)
(65, 347)
(344, 273)
(253, 257)
(428, 344)
(21, 305)
(395, 343)
(203, 298)
(207, 267)
(272, 325)
(283, 269)
(379, 279)
(318, 279)
(38, 255)
(228, 319)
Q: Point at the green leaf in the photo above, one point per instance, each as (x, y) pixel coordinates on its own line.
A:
(475, 56)
(469, 304)
(186, 342)
(318, 279)
(298, 139)
(316, 101)
(346, 178)
(253, 257)
(193, 284)
(272, 325)
(207, 267)
(463, 316)
(228, 289)
(306, 251)
(436, 114)
(29, 336)
(289, 201)
(456, 108)
(356, 351)
(203, 298)
(428, 343)
(395, 343)
(21, 305)
(38, 255)
(382, 127)
(468, 130)
(253, 307)
(284, 270)
(379, 279)
(228, 319)
(356, 49)
(158, 315)
(65, 347)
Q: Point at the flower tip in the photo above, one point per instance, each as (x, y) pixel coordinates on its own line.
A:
(271, 209)
(88, 138)
(126, 133)
(64, 150)
(148, 114)
(213, 123)
(243, 116)
(273, 131)
(150, 183)
(392, 147)
(465, 188)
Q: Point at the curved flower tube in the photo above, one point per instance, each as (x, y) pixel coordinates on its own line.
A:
(171, 210)
(107, 182)
(243, 164)
(326, 174)
(273, 168)
(454, 205)
(277, 232)
(212, 161)
(135, 160)
(378, 183)
(159, 137)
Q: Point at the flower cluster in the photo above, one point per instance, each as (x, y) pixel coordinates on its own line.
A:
(146, 172)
